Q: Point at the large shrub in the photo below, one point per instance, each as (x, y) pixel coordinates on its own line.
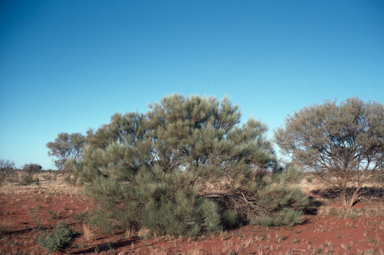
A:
(339, 144)
(150, 170)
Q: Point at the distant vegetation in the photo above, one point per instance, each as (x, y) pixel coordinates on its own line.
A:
(188, 167)
(27, 175)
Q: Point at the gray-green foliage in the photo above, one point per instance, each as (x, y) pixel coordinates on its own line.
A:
(166, 203)
(59, 240)
(148, 170)
(66, 146)
(270, 199)
(340, 144)
(280, 201)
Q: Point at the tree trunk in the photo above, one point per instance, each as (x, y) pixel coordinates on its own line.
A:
(343, 195)
(355, 196)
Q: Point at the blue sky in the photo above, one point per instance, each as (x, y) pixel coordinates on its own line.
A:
(67, 66)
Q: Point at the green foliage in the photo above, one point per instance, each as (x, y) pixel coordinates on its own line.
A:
(277, 199)
(81, 216)
(66, 146)
(149, 171)
(59, 240)
(165, 203)
(229, 219)
(340, 144)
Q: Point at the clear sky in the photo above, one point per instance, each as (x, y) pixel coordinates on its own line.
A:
(68, 65)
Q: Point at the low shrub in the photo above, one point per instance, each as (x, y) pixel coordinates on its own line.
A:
(27, 180)
(31, 170)
(60, 240)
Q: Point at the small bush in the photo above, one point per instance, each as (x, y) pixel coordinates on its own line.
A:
(35, 214)
(27, 180)
(4, 229)
(309, 179)
(59, 240)
(31, 170)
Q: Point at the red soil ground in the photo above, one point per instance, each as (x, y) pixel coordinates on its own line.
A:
(23, 217)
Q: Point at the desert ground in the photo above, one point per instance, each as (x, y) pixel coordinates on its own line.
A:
(27, 212)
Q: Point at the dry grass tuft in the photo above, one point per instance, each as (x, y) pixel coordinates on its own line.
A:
(5, 227)
(144, 232)
(87, 233)
(196, 250)
(158, 251)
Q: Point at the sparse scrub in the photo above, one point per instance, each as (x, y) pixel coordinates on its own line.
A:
(81, 216)
(7, 170)
(54, 214)
(35, 214)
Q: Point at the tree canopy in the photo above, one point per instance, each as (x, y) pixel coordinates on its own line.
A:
(340, 144)
(66, 146)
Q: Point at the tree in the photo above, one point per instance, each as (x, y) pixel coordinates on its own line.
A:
(341, 144)
(66, 146)
(151, 170)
